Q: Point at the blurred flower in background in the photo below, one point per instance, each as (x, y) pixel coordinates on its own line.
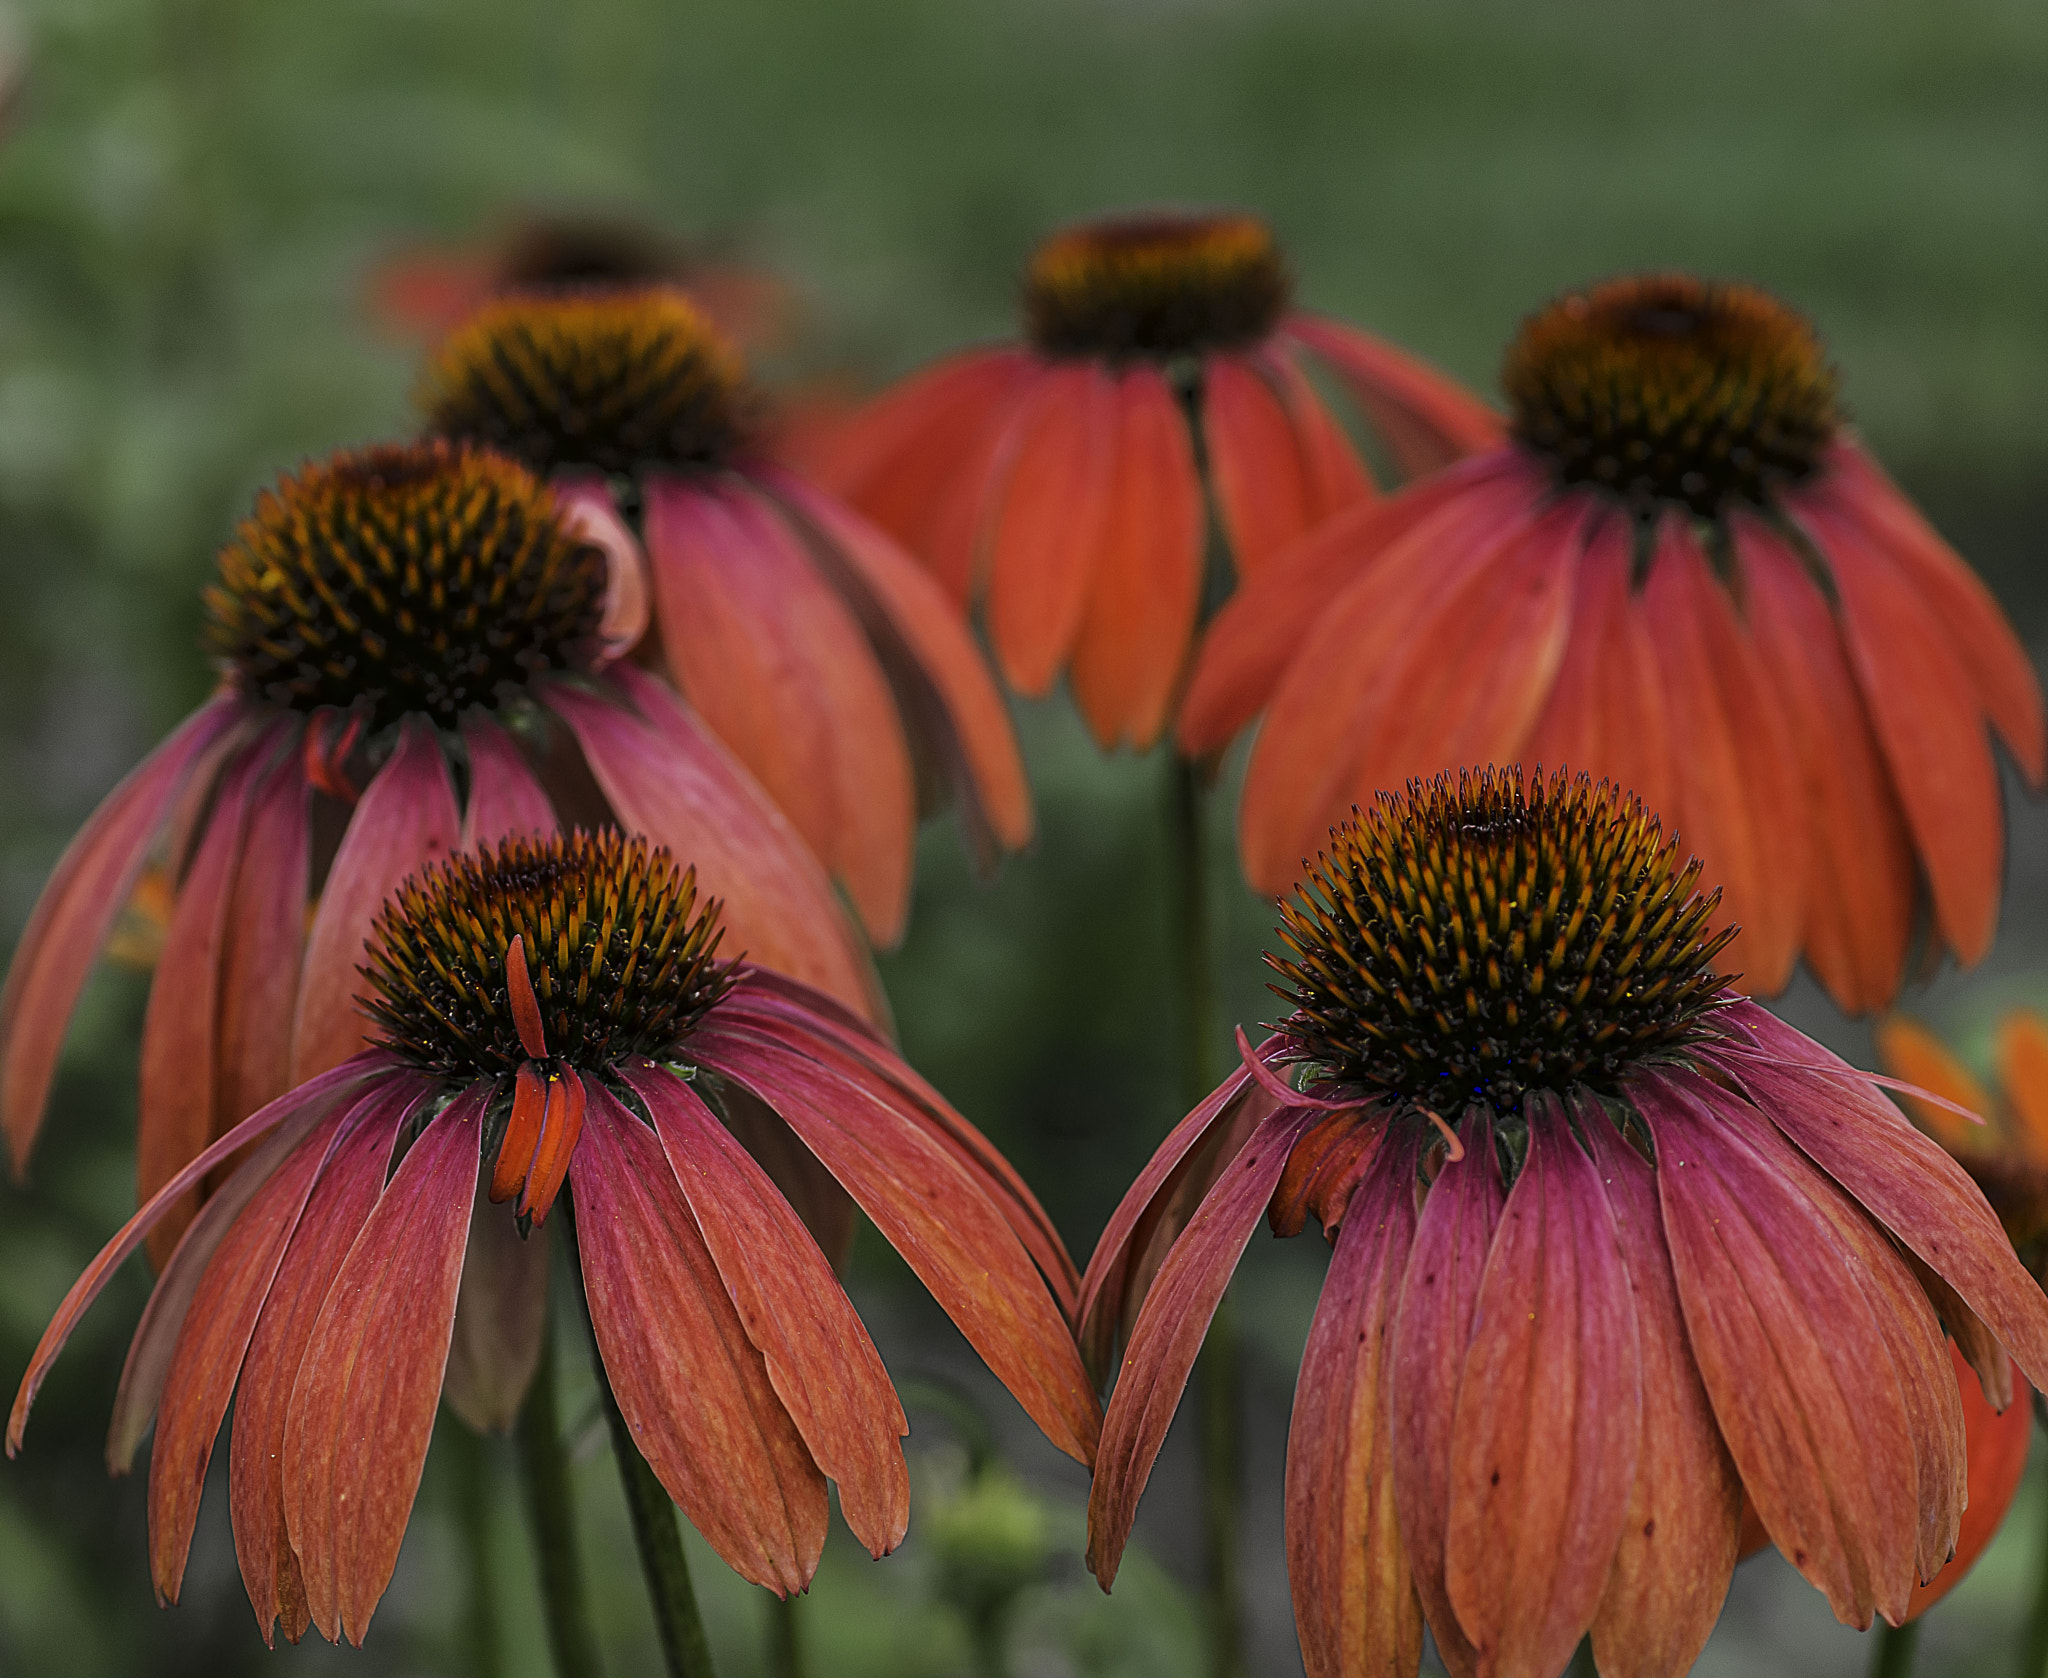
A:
(1681, 570)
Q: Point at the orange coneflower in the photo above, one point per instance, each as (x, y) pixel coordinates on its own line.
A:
(1062, 478)
(818, 651)
(391, 625)
(550, 1022)
(1613, 1246)
(1683, 571)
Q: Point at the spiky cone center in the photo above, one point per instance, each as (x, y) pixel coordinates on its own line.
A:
(423, 577)
(1161, 286)
(614, 957)
(1668, 390)
(620, 380)
(1471, 940)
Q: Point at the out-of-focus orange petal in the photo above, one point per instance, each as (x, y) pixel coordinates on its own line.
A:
(2023, 1074)
(1908, 1050)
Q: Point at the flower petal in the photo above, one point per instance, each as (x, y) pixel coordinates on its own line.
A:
(505, 796)
(1431, 1332)
(1791, 1354)
(690, 1384)
(934, 1210)
(827, 1209)
(1678, 1540)
(405, 819)
(665, 776)
(1172, 1324)
(588, 511)
(77, 909)
(1053, 512)
(1914, 1055)
(1427, 417)
(820, 1360)
(501, 1316)
(362, 1408)
(1998, 1441)
(1355, 1608)
(1255, 460)
(1336, 476)
(2023, 1075)
(1548, 1424)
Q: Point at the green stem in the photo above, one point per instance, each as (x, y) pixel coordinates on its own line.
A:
(1893, 1656)
(1217, 1373)
(551, 1513)
(2034, 1645)
(656, 1532)
(471, 1461)
(785, 1640)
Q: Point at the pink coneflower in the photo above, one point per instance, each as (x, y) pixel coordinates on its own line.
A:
(1061, 480)
(1681, 570)
(416, 646)
(550, 1026)
(1613, 1247)
(818, 651)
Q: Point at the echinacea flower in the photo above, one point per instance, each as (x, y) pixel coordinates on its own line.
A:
(391, 625)
(819, 653)
(1683, 571)
(1613, 1247)
(552, 1027)
(1062, 479)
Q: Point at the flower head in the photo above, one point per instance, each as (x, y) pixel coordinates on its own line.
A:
(418, 649)
(822, 657)
(1681, 570)
(1612, 1248)
(1061, 481)
(553, 1025)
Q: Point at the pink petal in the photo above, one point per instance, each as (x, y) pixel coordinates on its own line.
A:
(501, 1315)
(405, 819)
(664, 776)
(362, 1408)
(505, 797)
(1431, 1333)
(933, 1210)
(589, 513)
(77, 909)
(1548, 1423)
(690, 1384)
(1171, 1326)
(1355, 1609)
(820, 1360)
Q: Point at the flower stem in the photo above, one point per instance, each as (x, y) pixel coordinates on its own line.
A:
(1217, 1373)
(472, 1463)
(785, 1644)
(1893, 1655)
(656, 1533)
(551, 1512)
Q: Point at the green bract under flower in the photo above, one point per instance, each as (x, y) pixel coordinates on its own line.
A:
(1471, 940)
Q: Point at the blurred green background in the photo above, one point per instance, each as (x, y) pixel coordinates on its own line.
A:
(192, 194)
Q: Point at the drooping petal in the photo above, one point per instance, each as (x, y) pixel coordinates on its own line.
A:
(505, 796)
(1998, 1461)
(362, 1407)
(933, 1210)
(1920, 691)
(827, 1210)
(405, 819)
(1427, 418)
(1739, 795)
(78, 908)
(1432, 1329)
(690, 1384)
(666, 777)
(1147, 584)
(1355, 1608)
(1255, 638)
(1050, 522)
(820, 1360)
(1172, 1323)
(1791, 1354)
(1255, 459)
(1859, 914)
(1862, 499)
(949, 700)
(1914, 1055)
(1678, 1538)
(1905, 1180)
(588, 511)
(1548, 1424)
(295, 1112)
(327, 1229)
(501, 1315)
(264, 948)
(1336, 476)
(772, 659)
(181, 1029)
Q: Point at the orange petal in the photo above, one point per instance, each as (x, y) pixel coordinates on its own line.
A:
(1998, 1441)
(1909, 1051)
(1427, 417)
(1255, 461)
(522, 1133)
(2023, 1075)
(560, 1127)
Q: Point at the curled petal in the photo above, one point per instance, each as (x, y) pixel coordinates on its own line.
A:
(589, 513)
